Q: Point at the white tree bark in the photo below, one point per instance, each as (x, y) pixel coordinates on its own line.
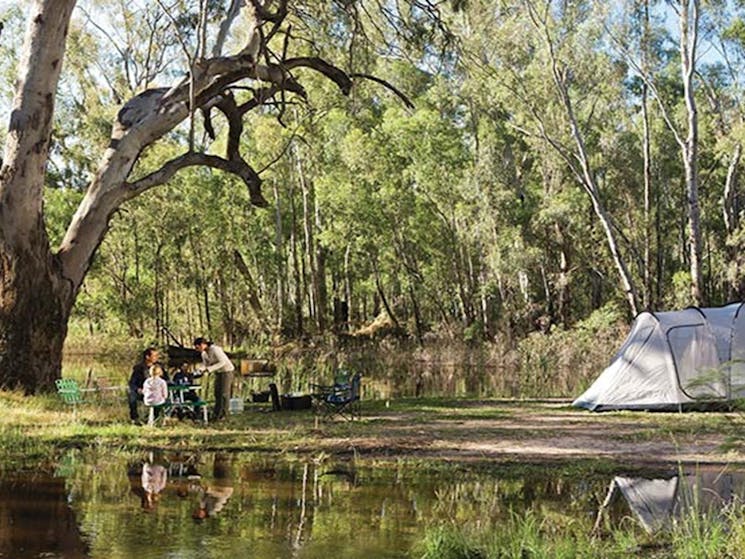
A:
(29, 132)
(729, 209)
(688, 41)
(647, 155)
(585, 173)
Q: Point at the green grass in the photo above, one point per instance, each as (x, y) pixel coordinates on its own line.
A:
(526, 536)
(537, 535)
(33, 427)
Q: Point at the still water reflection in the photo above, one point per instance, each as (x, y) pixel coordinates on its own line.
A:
(220, 505)
(657, 503)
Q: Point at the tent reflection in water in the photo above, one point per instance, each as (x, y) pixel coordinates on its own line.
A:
(676, 359)
(656, 503)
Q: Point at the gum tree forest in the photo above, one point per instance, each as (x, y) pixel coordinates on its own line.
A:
(264, 171)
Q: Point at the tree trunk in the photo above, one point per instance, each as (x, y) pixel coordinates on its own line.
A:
(207, 313)
(280, 259)
(585, 174)
(473, 281)
(312, 252)
(35, 305)
(731, 213)
(730, 210)
(562, 283)
(462, 271)
(309, 256)
(418, 322)
(320, 278)
(353, 315)
(383, 298)
(646, 146)
(688, 40)
(297, 273)
(35, 300)
(254, 300)
(597, 203)
(158, 292)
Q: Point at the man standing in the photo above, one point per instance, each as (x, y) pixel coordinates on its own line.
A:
(215, 361)
(140, 372)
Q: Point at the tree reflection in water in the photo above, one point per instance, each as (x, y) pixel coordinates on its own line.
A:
(36, 519)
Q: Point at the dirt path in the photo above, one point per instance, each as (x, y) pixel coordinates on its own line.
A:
(544, 432)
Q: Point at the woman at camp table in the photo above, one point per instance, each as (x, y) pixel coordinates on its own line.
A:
(214, 360)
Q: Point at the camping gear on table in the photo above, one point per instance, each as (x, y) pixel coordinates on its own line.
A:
(674, 360)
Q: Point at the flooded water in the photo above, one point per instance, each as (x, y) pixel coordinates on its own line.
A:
(213, 505)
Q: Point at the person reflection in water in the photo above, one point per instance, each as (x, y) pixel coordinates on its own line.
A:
(154, 478)
(215, 496)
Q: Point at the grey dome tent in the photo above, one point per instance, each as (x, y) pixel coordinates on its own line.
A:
(675, 359)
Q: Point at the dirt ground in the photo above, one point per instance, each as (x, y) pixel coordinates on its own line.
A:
(544, 432)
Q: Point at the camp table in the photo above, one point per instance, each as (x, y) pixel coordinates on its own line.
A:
(179, 402)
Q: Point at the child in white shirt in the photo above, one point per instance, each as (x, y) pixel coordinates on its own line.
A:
(155, 389)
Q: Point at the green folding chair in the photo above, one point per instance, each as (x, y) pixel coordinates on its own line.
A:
(69, 392)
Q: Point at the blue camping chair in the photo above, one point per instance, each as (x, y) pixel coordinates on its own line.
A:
(341, 399)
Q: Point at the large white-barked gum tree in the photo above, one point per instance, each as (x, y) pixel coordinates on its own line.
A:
(38, 285)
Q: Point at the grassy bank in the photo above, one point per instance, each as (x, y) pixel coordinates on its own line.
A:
(537, 536)
(427, 429)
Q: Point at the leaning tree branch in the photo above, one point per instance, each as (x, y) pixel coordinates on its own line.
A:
(261, 96)
(220, 72)
(190, 159)
(336, 75)
(234, 113)
(399, 94)
(209, 86)
(207, 118)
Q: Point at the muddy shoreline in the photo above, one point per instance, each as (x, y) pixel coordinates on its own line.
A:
(546, 431)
